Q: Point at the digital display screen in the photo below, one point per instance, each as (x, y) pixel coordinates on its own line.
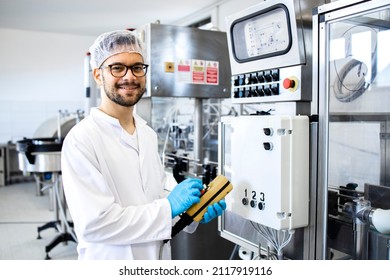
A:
(263, 34)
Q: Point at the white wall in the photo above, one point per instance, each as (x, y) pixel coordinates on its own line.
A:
(40, 73)
(218, 13)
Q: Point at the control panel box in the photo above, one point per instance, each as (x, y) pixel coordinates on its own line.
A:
(270, 170)
(279, 84)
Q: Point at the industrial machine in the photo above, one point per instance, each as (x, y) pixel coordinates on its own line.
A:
(352, 81)
(307, 153)
(41, 157)
(265, 151)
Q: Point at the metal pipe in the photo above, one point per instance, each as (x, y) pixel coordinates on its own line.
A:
(198, 132)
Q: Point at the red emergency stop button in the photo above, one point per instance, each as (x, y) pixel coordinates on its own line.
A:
(290, 83)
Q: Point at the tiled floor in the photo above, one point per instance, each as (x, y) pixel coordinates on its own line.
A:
(22, 211)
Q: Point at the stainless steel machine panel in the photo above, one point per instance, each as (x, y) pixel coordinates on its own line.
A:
(186, 62)
(270, 52)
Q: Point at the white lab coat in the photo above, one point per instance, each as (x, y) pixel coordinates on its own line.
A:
(115, 193)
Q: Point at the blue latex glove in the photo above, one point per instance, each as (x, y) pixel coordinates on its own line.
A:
(213, 211)
(184, 195)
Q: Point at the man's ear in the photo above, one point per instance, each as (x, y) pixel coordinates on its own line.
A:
(97, 75)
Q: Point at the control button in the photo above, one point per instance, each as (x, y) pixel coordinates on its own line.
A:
(268, 146)
(241, 93)
(290, 83)
(253, 204)
(267, 91)
(268, 76)
(260, 77)
(275, 89)
(236, 81)
(236, 93)
(245, 201)
(241, 80)
(275, 75)
(247, 80)
(261, 205)
(253, 79)
(260, 91)
(287, 83)
(268, 131)
(252, 92)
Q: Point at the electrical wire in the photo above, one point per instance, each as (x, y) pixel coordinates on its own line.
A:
(346, 93)
(161, 251)
(277, 239)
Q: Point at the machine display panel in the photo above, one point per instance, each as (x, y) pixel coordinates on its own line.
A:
(262, 34)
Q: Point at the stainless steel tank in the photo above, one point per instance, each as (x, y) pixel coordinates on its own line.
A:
(39, 155)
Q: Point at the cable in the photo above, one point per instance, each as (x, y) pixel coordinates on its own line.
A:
(161, 251)
(278, 239)
(344, 92)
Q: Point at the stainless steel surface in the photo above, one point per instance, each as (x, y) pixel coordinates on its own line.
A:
(2, 165)
(44, 162)
(39, 155)
(185, 116)
(172, 44)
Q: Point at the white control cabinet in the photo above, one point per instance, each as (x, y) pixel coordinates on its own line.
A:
(270, 170)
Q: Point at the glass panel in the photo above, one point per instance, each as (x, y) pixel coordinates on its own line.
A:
(359, 66)
(359, 117)
(359, 97)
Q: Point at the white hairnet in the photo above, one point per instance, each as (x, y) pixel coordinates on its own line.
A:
(114, 42)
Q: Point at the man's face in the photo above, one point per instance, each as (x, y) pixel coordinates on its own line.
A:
(127, 90)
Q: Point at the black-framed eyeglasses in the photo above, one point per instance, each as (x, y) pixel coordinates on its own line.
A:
(120, 70)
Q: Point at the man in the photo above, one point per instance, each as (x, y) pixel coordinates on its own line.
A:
(112, 173)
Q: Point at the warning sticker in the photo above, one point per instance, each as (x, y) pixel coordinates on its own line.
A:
(184, 71)
(212, 72)
(198, 71)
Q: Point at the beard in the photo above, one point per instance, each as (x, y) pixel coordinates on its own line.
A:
(127, 100)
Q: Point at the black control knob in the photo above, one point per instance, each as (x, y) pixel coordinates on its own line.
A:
(268, 77)
(260, 77)
(268, 146)
(275, 76)
(275, 90)
(260, 91)
(254, 92)
(268, 131)
(236, 80)
(253, 204)
(253, 79)
(245, 201)
(267, 91)
(236, 93)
